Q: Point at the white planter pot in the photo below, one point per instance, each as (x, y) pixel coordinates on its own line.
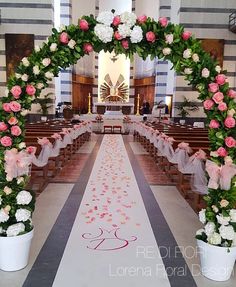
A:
(217, 263)
(14, 251)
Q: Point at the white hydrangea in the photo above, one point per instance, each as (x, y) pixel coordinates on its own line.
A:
(25, 62)
(232, 214)
(39, 86)
(49, 75)
(200, 231)
(195, 57)
(188, 71)
(205, 73)
(3, 215)
(71, 44)
(46, 62)
(223, 220)
(22, 214)
(124, 30)
(136, 34)
(209, 228)
(166, 51)
(187, 53)
(105, 18)
(23, 197)
(227, 232)
(37, 48)
(53, 47)
(36, 70)
(202, 216)
(24, 77)
(169, 38)
(103, 32)
(214, 238)
(15, 229)
(128, 18)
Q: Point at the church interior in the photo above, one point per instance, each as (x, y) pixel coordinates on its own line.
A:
(118, 143)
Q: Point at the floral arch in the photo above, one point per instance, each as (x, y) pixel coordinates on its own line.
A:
(125, 34)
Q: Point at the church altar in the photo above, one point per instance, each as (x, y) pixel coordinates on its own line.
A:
(114, 107)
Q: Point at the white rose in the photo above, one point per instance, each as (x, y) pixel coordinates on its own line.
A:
(227, 232)
(7, 190)
(215, 208)
(20, 180)
(36, 70)
(224, 203)
(103, 32)
(18, 76)
(202, 216)
(25, 62)
(188, 71)
(136, 34)
(218, 69)
(37, 48)
(49, 75)
(40, 86)
(195, 58)
(22, 145)
(15, 229)
(209, 228)
(128, 18)
(124, 30)
(187, 53)
(105, 18)
(223, 220)
(22, 214)
(228, 160)
(200, 231)
(24, 77)
(231, 112)
(8, 178)
(71, 44)
(205, 73)
(23, 197)
(53, 47)
(166, 51)
(24, 112)
(169, 38)
(214, 238)
(232, 214)
(3, 215)
(46, 62)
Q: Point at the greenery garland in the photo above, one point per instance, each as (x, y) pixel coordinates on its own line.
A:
(123, 34)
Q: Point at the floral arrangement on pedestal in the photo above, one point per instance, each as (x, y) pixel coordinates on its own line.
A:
(127, 34)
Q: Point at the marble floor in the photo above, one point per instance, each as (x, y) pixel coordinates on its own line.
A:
(172, 220)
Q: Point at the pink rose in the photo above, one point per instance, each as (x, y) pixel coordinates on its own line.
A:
(31, 149)
(116, 20)
(125, 44)
(16, 91)
(229, 122)
(222, 107)
(117, 35)
(214, 124)
(87, 48)
(213, 87)
(220, 79)
(14, 106)
(150, 36)
(232, 94)
(6, 141)
(12, 121)
(15, 131)
(142, 19)
(83, 24)
(30, 90)
(230, 142)
(64, 39)
(3, 127)
(186, 35)
(218, 97)
(208, 104)
(163, 21)
(222, 152)
(6, 107)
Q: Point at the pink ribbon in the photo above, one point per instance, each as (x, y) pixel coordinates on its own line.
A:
(220, 175)
(56, 136)
(185, 146)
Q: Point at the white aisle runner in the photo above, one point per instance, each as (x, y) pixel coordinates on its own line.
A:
(111, 242)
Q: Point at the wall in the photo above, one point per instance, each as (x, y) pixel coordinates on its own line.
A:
(16, 15)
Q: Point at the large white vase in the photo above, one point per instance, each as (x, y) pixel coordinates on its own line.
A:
(217, 263)
(14, 251)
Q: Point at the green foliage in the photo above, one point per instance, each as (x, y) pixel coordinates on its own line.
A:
(186, 106)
